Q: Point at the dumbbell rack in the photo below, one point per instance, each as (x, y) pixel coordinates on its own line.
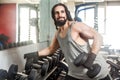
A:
(44, 78)
(53, 62)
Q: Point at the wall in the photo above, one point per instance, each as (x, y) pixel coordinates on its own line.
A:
(47, 27)
(8, 21)
(16, 55)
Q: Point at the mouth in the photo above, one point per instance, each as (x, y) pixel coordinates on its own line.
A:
(61, 18)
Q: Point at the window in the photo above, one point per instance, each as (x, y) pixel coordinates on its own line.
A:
(108, 21)
(28, 23)
(113, 26)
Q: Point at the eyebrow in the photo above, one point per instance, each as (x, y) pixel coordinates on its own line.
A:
(60, 11)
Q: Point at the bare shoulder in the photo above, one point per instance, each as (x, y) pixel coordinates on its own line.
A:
(79, 26)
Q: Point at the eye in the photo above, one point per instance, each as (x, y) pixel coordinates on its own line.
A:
(62, 11)
(56, 13)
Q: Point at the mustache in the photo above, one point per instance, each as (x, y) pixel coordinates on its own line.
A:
(60, 17)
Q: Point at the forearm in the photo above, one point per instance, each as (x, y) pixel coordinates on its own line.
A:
(45, 52)
(97, 42)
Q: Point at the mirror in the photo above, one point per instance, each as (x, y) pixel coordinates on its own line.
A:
(19, 24)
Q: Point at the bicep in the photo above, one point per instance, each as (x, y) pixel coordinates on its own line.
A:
(87, 31)
(90, 33)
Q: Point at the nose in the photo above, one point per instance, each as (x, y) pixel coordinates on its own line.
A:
(59, 14)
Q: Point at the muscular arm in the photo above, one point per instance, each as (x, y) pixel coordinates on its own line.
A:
(97, 42)
(51, 49)
(90, 33)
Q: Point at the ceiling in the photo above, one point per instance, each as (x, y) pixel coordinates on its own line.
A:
(37, 1)
(20, 1)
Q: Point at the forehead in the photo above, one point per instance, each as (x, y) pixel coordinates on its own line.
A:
(59, 8)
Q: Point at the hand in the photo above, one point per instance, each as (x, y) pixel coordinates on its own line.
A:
(85, 59)
(90, 60)
(31, 55)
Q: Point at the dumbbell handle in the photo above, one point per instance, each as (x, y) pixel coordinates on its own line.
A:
(36, 66)
(20, 73)
(80, 59)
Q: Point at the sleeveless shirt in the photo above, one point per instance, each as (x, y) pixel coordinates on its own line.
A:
(70, 53)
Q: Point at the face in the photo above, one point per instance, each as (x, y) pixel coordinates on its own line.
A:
(60, 16)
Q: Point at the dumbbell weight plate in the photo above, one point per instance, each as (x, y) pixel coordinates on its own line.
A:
(54, 60)
(58, 58)
(12, 72)
(3, 74)
(44, 67)
(33, 75)
(94, 72)
(50, 63)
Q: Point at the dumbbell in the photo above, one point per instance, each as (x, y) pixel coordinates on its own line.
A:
(50, 63)
(34, 75)
(61, 75)
(84, 59)
(30, 58)
(28, 65)
(3, 74)
(55, 59)
(13, 74)
(43, 66)
(54, 75)
(112, 64)
(63, 65)
(60, 54)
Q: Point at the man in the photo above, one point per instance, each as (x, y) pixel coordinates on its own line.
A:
(72, 37)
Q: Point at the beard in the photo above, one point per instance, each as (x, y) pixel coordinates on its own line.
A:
(60, 23)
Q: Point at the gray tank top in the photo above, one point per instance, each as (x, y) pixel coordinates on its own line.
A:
(70, 53)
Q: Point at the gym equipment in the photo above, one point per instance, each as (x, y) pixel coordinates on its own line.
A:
(55, 74)
(34, 75)
(44, 66)
(33, 55)
(59, 52)
(28, 65)
(63, 65)
(60, 71)
(50, 63)
(13, 74)
(115, 70)
(61, 75)
(86, 60)
(3, 74)
(30, 59)
(40, 65)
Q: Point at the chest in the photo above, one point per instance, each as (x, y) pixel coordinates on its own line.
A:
(74, 36)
